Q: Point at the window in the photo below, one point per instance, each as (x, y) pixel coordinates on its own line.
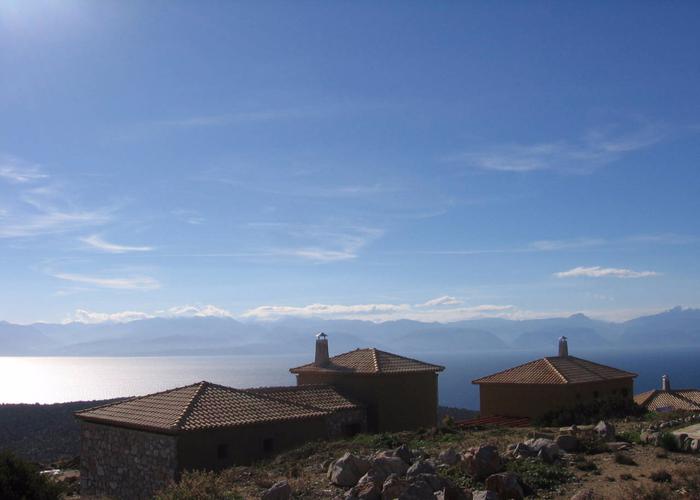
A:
(268, 445)
(222, 451)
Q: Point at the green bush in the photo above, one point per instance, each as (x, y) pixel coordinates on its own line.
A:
(539, 475)
(21, 481)
(623, 459)
(668, 441)
(590, 413)
(630, 437)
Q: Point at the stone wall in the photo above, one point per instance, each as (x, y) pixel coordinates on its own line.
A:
(344, 423)
(123, 463)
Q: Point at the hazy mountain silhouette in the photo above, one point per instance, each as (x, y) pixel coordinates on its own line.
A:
(211, 335)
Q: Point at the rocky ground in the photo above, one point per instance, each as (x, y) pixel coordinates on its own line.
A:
(462, 464)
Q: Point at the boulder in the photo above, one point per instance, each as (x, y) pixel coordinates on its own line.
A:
(347, 470)
(435, 482)
(393, 487)
(374, 476)
(364, 491)
(389, 465)
(619, 446)
(546, 449)
(404, 453)
(449, 457)
(506, 484)
(522, 450)
(649, 437)
(420, 467)
(278, 491)
(418, 490)
(453, 492)
(482, 461)
(567, 442)
(605, 431)
(485, 495)
(695, 446)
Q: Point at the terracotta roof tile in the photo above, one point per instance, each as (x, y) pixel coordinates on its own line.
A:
(324, 397)
(370, 361)
(199, 406)
(683, 399)
(556, 370)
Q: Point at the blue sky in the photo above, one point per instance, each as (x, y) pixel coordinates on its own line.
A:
(348, 159)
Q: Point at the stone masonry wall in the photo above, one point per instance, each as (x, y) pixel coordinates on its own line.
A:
(123, 463)
(337, 422)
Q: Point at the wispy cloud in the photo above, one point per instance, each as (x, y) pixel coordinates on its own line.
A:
(95, 241)
(16, 171)
(594, 150)
(604, 272)
(16, 224)
(188, 311)
(445, 300)
(121, 283)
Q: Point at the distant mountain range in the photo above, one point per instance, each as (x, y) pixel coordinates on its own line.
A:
(211, 335)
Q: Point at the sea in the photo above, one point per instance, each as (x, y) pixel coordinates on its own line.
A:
(62, 379)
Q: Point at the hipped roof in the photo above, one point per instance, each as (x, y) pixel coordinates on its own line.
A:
(370, 362)
(556, 370)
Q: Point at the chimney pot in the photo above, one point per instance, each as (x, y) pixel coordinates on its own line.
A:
(665, 383)
(321, 358)
(563, 347)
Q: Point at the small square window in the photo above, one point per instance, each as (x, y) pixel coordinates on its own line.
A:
(222, 451)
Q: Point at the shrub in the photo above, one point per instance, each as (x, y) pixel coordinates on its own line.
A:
(586, 466)
(539, 475)
(622, 458)
(630, 436)
(21, 480)
(668, 441)
(199, 485)
(660, 476)
(627, 477)
(590, 412)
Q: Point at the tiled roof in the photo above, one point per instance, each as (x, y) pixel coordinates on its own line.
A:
(370, 361)
(200, 406)
(324, 397)
(682, 399)
(556, 370)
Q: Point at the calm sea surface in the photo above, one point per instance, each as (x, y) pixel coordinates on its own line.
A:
(51, 380)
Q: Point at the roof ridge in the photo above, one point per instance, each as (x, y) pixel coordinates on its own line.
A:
(556, 370)
(134, 398)
(375, 360)
(647, 396)
(189, 407)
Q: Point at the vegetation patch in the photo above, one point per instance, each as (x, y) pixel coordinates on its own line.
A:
(624, 459)
(660, 476)
(630, 436)
(20, 479)
(668, 441)
(200, 485)
(590, 413)
(539, 475)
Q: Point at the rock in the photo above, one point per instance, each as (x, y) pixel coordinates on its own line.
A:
(605, 430)
(523, 451)
(326, 464)
(367, 490)
(546, 449)
(393, 487)
(649, 437)
(567, 442)
(418, 490)
(619, 446)
(435, 482)
(482, 461)
(420, 467)
(347, 470)
(389, 465)
(404, 453)
(485, 495)
(449, 457)
(506, 484)
(586, 495)
(374, 476)
(278, 491)
(695, 446)
(453, 492)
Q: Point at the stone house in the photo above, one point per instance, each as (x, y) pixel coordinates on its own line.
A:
(551, 383)
(398, 393)
(134, 448)
(667, 399)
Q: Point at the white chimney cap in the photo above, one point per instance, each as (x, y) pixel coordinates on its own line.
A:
(321, 335)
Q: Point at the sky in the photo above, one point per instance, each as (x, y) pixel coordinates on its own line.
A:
(432, 161)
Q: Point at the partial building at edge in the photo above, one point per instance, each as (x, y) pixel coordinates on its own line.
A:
(668, 400)
(551, 383)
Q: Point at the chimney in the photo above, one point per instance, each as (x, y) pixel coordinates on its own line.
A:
(563, 347)
(321, 358)
(665, 383)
